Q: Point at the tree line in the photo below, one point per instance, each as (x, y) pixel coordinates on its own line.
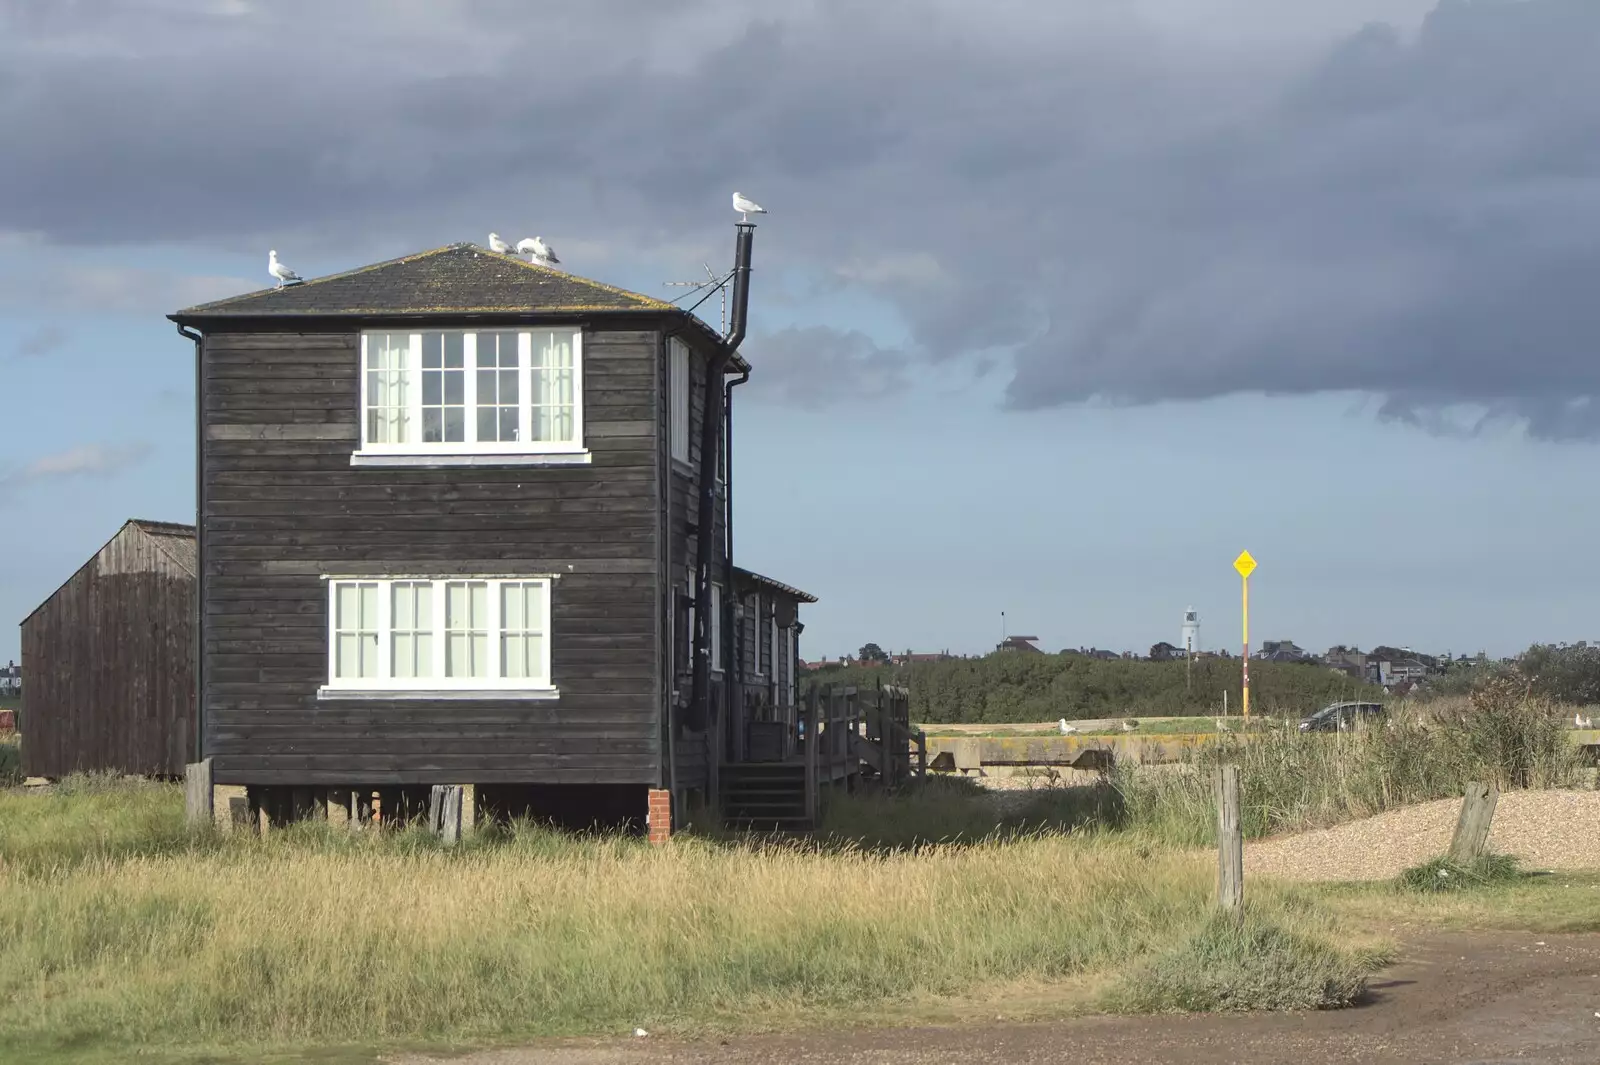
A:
(1007, 687)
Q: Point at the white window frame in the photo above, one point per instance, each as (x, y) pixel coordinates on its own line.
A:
(678, 384)
(470, 451)
(715, 627)
(439, 686)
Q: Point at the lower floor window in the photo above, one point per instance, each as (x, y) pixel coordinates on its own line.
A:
(425, 633)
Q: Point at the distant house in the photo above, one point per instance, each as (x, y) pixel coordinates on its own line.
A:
(1019, 643)
(10, 680)
(1402, 671)
(110, 660)
(1282, 651)
(911, 657)
(1165, 652)
(1347, 660)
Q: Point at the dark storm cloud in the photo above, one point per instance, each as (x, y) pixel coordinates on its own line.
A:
(1125, 210)
(816, 367)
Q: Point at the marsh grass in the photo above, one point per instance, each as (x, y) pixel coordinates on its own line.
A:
(10, 760)
(122, 929)
(1293, 781)
(1254, 962)
(1447, 874)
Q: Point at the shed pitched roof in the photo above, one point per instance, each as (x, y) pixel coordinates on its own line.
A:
(175, 541)
(456, 279)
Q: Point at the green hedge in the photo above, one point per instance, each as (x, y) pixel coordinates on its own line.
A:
(1009, 687)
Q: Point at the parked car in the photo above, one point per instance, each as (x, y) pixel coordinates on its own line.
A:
(1339, 717)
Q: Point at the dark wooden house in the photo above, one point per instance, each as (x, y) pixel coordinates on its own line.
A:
(462, 520)
(109, 660)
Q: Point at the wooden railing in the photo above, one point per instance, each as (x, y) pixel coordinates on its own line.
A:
(840, 731)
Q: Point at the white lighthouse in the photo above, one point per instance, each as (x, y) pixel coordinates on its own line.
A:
(1191, 631)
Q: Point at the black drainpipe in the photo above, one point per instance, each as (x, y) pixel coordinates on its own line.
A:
(199, 543)
(736, 644)
(710, 433)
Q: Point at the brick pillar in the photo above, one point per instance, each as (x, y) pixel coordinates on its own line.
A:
(660, 816)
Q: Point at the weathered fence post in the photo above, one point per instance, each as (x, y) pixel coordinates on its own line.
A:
(198, 792)
(1472, 827)
(1230, 841)
(444, 811)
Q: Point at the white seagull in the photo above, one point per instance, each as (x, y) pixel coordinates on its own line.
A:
(746, 206)
(1065, 728)
(497, 245)
(279, 271)
(537, 248)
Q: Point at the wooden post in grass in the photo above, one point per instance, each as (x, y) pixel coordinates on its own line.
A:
(197, 793)
(1472, 827)
(444, 811)
(1230, 841)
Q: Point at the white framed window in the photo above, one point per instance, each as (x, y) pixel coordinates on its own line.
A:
(449, 637)
(678, 397)
(490, 395)
(716, 627)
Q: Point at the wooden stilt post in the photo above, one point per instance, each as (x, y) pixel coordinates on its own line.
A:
(1230, 841)
(1472, 827)
(198, 793)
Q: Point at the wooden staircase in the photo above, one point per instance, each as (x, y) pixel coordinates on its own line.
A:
(765, 796)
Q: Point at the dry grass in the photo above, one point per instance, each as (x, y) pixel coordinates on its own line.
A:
(122, 931)
(10, 759)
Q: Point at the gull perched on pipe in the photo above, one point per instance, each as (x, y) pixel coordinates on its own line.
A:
(746, 206)
(279, 271)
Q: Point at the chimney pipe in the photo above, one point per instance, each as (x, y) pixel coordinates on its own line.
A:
(710, 435)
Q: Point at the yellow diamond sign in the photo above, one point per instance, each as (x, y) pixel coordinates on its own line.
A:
(1244, 564)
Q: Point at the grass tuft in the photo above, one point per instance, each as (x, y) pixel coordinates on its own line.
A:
(1251, 964)
(1446, 874)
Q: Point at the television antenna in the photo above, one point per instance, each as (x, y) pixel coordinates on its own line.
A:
(713, 282)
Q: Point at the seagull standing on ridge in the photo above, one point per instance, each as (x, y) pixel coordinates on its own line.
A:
(497, 245)
(279, 271)
(746, 206)
(538, 250)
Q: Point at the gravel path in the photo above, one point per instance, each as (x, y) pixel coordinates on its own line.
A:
(1545, 829)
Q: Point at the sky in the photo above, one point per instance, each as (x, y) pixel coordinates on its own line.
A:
(1058, 306)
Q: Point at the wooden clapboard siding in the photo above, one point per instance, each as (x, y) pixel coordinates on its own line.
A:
(283, 506)
(109, 657)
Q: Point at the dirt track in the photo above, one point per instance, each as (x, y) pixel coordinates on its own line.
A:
(1466, 998)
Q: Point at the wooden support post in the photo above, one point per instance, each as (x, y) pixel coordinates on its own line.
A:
(197, 793)
(1472, 827)
(1230, 841)
(444, 811)
(360, 809)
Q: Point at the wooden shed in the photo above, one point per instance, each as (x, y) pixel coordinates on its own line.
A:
(109, 660)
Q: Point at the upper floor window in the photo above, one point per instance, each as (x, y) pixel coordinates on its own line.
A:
(492, 392)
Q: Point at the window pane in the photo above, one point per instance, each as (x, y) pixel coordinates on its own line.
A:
(411, 618)
(467, 629)
(443, 387)
(387, 391)
(355, 620)
(522, 607)
(497, 413)
(554, 382)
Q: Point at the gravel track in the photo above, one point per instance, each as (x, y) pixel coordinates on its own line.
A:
(1545, 829)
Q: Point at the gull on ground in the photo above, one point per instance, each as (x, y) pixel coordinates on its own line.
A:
(279, 271)
(1065, 728)
(746, 206)
(497, 245)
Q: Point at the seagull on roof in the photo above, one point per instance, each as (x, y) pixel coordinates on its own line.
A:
(746, 206)
(497, 245)
(537, 250)
(279, 271)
